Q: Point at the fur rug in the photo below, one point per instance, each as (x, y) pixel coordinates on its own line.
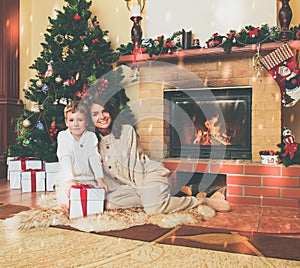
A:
(49, 214)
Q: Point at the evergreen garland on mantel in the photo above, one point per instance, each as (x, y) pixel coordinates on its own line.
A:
(246, 36)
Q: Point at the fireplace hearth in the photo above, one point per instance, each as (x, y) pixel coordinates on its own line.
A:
(210, 123)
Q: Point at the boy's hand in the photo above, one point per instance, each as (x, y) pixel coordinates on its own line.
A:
(101, 184)
(68, 186)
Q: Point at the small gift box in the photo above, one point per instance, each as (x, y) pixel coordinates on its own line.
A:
(50, 181)
(269, 159)
(51, 167)
(86, 200)
(19, 164)
(14, 179)
(33, 180)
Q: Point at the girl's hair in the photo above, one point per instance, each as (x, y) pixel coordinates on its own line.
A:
(73, 107)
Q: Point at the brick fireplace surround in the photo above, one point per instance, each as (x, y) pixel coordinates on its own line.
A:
(248, 181)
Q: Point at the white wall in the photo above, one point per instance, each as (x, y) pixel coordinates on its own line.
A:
(205, 17)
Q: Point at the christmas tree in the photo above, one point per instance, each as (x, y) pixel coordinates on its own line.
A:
(76, 52)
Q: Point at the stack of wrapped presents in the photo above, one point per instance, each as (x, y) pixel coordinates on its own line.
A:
(31, 175)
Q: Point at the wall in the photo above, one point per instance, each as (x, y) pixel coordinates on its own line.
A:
(114, 17)
(207, 17)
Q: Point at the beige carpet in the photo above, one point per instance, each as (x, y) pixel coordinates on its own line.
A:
(54, 247)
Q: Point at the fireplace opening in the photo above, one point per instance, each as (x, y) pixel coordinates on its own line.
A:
(210, 122)
(193, 183)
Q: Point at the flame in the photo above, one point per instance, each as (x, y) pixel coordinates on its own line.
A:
(213, 133)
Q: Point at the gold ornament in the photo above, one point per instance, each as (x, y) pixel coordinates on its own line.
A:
(91, 26)
(39, 83)
(26, 123)
(59, 39)
(35, 108)
(69, 37)
(50, 27)
(64, 53)
(58, 79)
(85, 48)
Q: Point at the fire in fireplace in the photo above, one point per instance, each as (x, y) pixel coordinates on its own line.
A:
(210, 122)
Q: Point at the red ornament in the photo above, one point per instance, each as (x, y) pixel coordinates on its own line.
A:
(72, 81)
(77, 17)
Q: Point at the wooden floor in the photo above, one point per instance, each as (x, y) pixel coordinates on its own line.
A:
(16, 197)
(248, 218)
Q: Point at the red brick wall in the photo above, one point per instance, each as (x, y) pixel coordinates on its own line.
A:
(250, 183)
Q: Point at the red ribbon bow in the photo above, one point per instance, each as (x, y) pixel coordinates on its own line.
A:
(83, 195)
(290, 149)
(23, 161)
(33, 177)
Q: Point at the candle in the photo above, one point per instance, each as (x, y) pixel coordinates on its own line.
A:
(135, 11)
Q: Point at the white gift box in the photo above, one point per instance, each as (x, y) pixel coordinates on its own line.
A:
(269, 159)
(94, 202)
(27, 178)
(51, 167)
(15, 179)
(9, 158)
(24, 164)
(50, 181)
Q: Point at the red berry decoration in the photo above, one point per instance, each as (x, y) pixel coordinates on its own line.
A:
(53, 130)
(77, 17)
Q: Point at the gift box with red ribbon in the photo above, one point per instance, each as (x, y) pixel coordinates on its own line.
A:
(86, 200)
(33, 180)
(21, 164)
(15, 179)
(52, 171)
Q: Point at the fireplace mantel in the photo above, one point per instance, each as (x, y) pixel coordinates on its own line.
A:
(211, 53)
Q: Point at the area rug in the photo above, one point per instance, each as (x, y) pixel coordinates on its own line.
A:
(55, 247)
(49, 214)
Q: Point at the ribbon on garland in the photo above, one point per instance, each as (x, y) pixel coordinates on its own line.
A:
(83, 195)
(33, 177)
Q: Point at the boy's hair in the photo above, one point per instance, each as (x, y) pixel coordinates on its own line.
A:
(73, 107)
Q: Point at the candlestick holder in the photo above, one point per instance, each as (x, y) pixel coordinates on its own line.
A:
(285, 16)
(136, 32)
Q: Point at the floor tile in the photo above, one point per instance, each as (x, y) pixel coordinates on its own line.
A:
(279, 225)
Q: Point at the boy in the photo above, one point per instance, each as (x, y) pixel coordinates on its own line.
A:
(78, 157)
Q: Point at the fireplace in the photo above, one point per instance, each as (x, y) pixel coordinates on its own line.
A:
(210, 123)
